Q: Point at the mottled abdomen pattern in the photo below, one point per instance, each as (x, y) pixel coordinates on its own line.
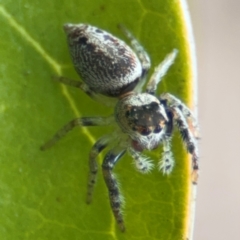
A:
(106, 64)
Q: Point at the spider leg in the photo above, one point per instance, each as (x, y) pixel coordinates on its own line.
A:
(175, 102)
(114, 194)
(85, 88)
(167, 162)
(141, 53)
(78, 84)
(84, 121)
(93, 165)
(160, 71)
(141, 162)
(189, 141)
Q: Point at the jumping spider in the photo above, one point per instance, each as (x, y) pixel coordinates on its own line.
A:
(143, 120)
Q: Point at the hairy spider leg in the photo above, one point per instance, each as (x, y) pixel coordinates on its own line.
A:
(141, 162)
(137, 47)
(189, 141)
(142, 55)
(166, 163)
(85, 88)
(175, 102)
(78, 84)
(115, 197)
(160, 71)
(84, 121)
(93, 165)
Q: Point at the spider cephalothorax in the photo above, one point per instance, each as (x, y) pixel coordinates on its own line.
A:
(109, 67)
(142, 117)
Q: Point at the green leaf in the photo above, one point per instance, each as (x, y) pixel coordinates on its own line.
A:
(42, 194)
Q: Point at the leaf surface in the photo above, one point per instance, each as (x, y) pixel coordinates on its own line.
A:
(43, 193)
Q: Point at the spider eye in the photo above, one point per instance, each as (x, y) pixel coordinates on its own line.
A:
(157, 129)
(145, 131)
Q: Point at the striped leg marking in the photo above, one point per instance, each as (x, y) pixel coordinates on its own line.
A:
(189, 141)
(114, 194)
(174, 102)
(167, 162)
(141, 162)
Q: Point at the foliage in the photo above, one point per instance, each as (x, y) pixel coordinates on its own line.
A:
(43, 193)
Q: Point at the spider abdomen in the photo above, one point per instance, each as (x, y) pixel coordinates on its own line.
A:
(105, 63)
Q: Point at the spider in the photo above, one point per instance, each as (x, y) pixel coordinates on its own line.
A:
(109, 67)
